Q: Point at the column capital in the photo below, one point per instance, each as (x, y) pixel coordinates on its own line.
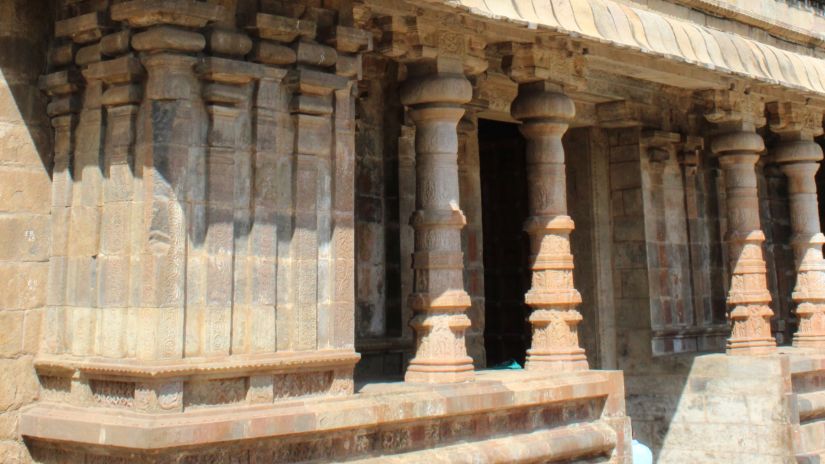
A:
(542, 101)
(410, 39)
(659, 143)
(734, 109)
(795, 121)
(558, 63)
(444, 84)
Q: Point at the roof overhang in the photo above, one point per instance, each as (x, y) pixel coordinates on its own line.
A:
(625, 27)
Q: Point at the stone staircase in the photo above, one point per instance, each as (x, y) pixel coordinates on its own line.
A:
(808, 383)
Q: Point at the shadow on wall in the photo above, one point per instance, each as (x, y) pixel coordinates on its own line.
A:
(25, 37)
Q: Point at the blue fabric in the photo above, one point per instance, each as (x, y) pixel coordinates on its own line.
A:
(509, 364)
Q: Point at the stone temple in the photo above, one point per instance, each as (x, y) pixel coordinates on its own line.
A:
(411, 231)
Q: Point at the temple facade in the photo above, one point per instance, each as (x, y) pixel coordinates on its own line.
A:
(397, 231)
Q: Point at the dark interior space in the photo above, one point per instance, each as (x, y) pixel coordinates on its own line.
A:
(506, 245)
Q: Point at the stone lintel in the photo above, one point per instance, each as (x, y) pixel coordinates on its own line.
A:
(377, 405)
(235, 365)
(117, 71)
(82, 29)
(186, 13)
(626, 113)
(281, 28)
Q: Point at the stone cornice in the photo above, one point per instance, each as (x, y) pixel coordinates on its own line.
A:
(240, 364)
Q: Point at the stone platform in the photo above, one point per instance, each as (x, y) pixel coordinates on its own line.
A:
(743, 409)
(503, 416)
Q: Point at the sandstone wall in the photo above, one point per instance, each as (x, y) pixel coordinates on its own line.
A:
(25, 187)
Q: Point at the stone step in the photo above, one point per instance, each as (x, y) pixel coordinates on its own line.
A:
(817, 457)
(807, 373)
(811, 405)
(812, 437)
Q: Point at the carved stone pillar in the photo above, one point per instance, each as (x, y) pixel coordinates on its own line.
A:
(737, 145)
(545, 114)
(799, 156)
(438, 300)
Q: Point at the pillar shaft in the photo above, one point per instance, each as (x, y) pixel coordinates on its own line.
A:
(798, 157)
(438, 300)
(545, 116)
(748, 296)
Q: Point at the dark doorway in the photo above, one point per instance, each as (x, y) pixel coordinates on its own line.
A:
(506, 245)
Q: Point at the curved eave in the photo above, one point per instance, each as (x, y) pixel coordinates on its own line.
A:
(624, 26)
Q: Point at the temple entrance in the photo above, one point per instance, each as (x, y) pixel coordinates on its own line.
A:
(506, 245)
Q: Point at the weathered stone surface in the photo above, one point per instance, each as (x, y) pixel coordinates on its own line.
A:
(273, 53)
(145, 13)
(226, 42)
(281, 29)
(82, 29)
(220, 207)
(168, 38)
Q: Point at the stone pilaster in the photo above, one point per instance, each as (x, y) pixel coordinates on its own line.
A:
(798, 157)
(118, 212)
(439, 301)
(545, 113)
(62, 87)
(735, 142)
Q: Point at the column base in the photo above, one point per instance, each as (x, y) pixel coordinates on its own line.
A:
(751, 347)
(816, 341)
(566, 362)
(440, 372)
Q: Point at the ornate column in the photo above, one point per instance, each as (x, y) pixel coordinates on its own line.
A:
(435, 95)
(737, 145)
(545, 113)
(799, 156)
(543, 72)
